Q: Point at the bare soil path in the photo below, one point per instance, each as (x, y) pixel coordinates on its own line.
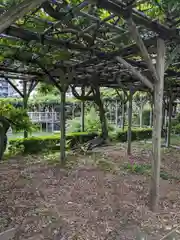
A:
(47, 202)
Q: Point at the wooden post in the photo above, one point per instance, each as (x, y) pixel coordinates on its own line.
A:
(150, 118)
(82, 111)
(141, 115)
(157, 123)
(116, 113)
(129, 133)
(152, 110)
(168, 140)
(123, 112)
(63, 126)
(52, 121)
(25, 100)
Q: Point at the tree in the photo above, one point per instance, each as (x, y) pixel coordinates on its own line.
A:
(140, 99)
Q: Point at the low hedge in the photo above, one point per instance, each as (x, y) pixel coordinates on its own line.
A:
(137, 134)
(38, 144)
(44, 143)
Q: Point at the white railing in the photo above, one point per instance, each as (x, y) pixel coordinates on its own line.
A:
(44, 116)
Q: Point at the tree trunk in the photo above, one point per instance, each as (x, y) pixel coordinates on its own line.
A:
(1, 144)
(4, 126)
(129, 133)
(63, 127)
(102, 115)
(103, 121)
(157, 123)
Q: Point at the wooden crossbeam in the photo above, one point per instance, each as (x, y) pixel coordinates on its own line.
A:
(16, 12)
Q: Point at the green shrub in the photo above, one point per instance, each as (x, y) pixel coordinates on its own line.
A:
(137, 134)
(18, 116)
(47, 143)
(176, 128)
(143, 168)
(91, 120)
(74, 125)
(146, 117)
(138, 168)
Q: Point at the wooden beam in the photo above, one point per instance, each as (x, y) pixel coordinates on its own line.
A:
(16, 12)
(135, 73)
(14, 86)
(157, 124)
(144, 52)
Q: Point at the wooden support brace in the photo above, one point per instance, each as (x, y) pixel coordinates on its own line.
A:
(135, 73)
(144, 52)
(14, 86)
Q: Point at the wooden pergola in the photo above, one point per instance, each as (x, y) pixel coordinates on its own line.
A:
(93, 44)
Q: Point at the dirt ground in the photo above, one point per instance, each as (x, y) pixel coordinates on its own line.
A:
(86, 202)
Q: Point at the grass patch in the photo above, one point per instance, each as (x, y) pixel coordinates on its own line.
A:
(138, 168)
(145, 169)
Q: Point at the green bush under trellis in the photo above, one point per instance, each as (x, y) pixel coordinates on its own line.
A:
(38, 144)
(45, 143)
(136, 133)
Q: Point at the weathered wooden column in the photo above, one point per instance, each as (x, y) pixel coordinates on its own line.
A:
(129, 132)
(83, 111)
(170, 108)
(63, 124)
(25, 101)
(151, 111)
(157, 123)
(116, 116)
(123, 116)
(141, 115)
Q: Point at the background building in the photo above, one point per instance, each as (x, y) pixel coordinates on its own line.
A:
(4, 88)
